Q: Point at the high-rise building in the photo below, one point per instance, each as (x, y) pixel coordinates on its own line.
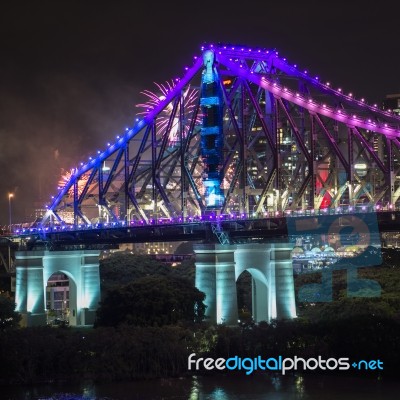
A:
(392, 102)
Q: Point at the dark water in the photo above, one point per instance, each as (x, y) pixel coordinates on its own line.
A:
(217, 388)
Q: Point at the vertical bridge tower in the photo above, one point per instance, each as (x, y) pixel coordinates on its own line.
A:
(218, 266)
(212, 139)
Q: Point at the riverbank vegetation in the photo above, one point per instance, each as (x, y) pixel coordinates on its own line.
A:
(44, 354)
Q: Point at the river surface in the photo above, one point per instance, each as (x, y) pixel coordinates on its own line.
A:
(217, 388)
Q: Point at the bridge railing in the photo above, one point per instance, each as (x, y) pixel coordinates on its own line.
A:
(341, 210)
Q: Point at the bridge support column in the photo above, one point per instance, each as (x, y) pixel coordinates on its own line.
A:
(29, 289)
(215, 276)
(284, 281)
(33, 270)
(90, 276)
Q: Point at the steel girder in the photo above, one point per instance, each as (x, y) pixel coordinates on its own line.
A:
(290, 142)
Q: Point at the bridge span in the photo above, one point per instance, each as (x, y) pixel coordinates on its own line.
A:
(242, 154)
(224, 248)
(216, 229)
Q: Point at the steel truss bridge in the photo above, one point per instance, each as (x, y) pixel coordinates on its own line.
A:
(238, 230)
(243, 136)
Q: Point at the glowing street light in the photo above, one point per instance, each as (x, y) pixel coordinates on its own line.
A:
(10, 196)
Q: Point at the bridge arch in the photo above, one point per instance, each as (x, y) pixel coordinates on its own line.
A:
(260, 289)
(292, 143)
(72, 304)
(256, 259)
(33, 270)
(219, 266)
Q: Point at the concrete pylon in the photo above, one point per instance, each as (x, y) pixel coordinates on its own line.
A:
(29, 289)
(215, 276)
(270, 264)
(284, 281)
(33, 270)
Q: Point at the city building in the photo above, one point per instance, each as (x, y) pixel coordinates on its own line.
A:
(392, 103)
(57, 298)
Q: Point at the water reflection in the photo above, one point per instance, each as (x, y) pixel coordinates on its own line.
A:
(299, 383)
(224, 387)
(195, 391)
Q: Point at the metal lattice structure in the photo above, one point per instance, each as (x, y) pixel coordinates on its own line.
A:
(282, 141)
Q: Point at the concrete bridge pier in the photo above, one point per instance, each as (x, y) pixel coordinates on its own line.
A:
(33, 270)
(215, 276)
(270, 264)
(284, 281)
(29, 290)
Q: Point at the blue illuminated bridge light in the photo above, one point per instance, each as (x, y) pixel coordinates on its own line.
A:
(212, 218)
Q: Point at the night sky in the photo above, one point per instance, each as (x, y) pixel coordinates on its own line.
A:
(71, 72)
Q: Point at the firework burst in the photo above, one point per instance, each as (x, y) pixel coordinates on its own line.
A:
(65, 179)
(190, 97)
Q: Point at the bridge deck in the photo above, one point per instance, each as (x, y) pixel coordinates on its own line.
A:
(238, 230)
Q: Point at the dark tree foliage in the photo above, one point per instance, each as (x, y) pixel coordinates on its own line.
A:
(121, 268)
(42, 354)
(186, 269)
(5, 282)
(9, 318)
(152, 301)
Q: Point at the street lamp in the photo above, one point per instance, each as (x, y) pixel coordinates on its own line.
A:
(10, 196)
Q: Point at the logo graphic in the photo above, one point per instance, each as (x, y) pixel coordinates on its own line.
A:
(283, 364)
(352, 238)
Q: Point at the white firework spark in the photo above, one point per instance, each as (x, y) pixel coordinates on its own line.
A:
(190, 97)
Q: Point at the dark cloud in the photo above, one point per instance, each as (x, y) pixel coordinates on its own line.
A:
(71, 72)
